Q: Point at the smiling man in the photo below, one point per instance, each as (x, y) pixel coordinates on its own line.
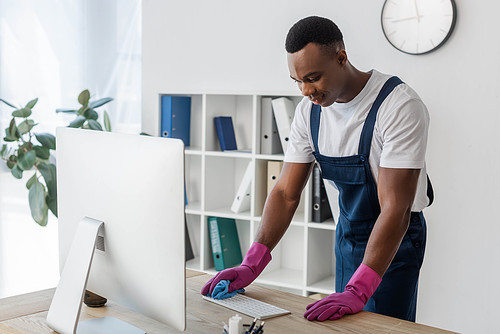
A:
(368, 133)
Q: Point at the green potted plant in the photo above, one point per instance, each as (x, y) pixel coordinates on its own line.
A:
(25, 151)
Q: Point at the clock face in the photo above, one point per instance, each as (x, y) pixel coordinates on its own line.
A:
(418, 26)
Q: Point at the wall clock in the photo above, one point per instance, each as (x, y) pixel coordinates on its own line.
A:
(418, 26)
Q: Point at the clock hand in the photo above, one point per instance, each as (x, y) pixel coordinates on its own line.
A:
(416, 10)
(407, 19)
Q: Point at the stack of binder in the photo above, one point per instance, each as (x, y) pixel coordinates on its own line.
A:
(321, 207)
(225, 244)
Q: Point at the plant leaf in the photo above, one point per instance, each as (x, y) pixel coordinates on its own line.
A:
(82, 110)
(31, 103)
(100, 102)
(47, 140)
(84, 97)
(7, 103)
(42, 152)
(4, 148)
(49, 173)
(52, 204)
(38, 206)
(26, 126)
(12, 161)
(11, 132)
(16, 172)
(70, 111)
(77, 122)
(26, 160)
(107, 122)
(23, 112)
(90, 114)
(32, 180)
(95, 125)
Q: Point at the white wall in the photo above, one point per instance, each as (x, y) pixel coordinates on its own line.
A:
(238, 46)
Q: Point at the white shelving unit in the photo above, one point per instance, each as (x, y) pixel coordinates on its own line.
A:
(304, 261)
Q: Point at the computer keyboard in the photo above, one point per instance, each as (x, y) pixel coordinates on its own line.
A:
(249, 306)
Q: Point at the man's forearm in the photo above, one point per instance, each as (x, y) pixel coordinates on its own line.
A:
(396, 191)
(277, 215)
(385, 239)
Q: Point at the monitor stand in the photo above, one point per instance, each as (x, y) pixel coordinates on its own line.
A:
(64, 310)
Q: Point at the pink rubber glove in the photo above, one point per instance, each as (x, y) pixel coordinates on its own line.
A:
(256, 259)
(358, 290)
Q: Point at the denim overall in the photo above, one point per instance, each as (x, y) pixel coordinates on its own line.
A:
(396, 295)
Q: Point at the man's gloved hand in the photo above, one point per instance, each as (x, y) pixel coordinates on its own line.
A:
(358, 290)
(256, 259)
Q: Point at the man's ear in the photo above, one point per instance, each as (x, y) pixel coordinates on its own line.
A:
(342, 57)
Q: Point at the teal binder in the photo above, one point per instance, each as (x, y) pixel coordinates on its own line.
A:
(225, 244)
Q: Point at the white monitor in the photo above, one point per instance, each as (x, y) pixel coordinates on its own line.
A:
(134, 185)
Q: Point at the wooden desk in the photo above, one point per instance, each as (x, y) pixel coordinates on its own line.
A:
(27, 313)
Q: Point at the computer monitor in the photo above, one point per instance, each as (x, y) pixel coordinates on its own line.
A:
(127, 193)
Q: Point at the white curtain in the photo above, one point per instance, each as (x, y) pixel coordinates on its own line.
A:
(54, 49)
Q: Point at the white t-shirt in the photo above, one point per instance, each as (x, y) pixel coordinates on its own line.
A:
(399, 137)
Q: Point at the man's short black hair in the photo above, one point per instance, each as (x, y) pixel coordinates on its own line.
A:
(313, 29)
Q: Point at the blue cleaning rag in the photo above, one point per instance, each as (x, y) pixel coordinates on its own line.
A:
(220, 290)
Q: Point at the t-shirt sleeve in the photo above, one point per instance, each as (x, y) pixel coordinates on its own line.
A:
(299, 146)
(404, 133)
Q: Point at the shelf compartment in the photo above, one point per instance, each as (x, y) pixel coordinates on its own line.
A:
(192, 170)
(320, 258)
(223, 176)
(243, 228)
(259, 107)
(194, 230)
(283, 277)
(240, 109)
(287, 265)
(326, 286)
(261, 192)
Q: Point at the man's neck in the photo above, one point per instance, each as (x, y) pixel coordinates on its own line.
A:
(355, 83)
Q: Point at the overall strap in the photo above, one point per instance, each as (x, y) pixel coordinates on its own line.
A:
(315, 117)
(367, 132)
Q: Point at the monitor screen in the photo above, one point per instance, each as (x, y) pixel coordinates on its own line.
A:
(135, 186)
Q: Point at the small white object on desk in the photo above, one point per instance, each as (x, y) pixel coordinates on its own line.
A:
(235, 325)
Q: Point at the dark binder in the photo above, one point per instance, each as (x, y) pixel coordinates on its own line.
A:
(176, 117)
(224, 241)
(225, 132)
(321, 207)
(189, 248)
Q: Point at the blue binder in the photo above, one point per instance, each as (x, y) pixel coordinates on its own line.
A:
(225, 132)
(176, 117)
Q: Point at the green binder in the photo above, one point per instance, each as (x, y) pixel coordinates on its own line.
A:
(225, 244)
